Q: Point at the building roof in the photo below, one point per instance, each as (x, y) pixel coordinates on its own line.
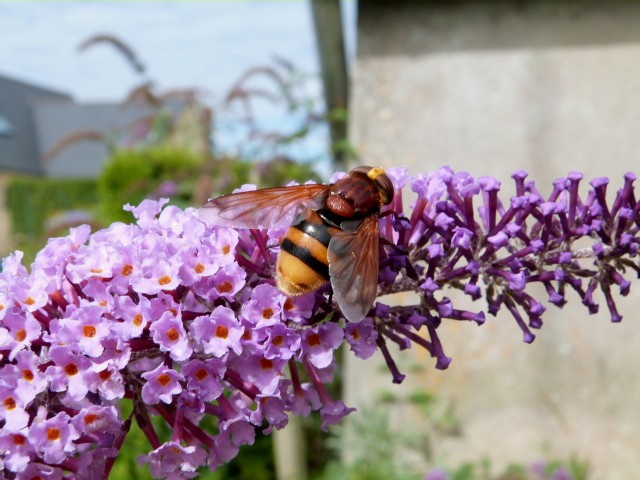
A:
(55, 121)
(34, 120)
(19, 152)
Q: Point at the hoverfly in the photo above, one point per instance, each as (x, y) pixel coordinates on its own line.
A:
(333, 234)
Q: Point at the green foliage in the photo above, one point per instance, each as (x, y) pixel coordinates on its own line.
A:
(240, 172)
(32, 200)
(281, 171)
(232, 173)
(375, 447)
(129, 177)
(127, 465)
(368, 447)
(132, 175)
(578, 469)
(440, 414)
(376, 452)
(254, 462)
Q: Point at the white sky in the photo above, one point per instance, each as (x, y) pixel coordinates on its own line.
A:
(204, 44)
(183, 44)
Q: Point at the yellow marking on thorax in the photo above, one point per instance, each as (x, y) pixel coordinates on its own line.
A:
(375, 173)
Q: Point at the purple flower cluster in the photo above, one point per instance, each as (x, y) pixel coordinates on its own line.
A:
(461, 235)
(181, 319)
(185, 321)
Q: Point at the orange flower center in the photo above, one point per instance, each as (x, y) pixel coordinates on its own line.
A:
(164, 280)
(314, 339)
(54, 434)
(173, 335)
(89, 331)
(127, 270)
(164, 379)
(137, 320)
(71, 369)
(90, 418)
(288, 304)
(21, 335)
(222, 331)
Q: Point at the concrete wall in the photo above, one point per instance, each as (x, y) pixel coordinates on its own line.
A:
(491, 88)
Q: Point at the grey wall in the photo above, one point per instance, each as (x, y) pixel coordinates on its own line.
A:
(492, 87)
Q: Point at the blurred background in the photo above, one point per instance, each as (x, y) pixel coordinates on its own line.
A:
(107, 103)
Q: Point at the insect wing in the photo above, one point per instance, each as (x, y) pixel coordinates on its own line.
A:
(353, 268)
(266, 208)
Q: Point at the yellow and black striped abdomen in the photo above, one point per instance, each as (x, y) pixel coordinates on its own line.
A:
(303, 264)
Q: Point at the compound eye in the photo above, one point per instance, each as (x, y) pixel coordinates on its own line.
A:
(380, 179)
(383, 182)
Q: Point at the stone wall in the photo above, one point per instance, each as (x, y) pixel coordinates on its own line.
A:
(491, 88)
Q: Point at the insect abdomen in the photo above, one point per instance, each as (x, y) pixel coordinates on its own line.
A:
(303, 264)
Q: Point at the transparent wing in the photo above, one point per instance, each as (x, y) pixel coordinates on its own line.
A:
(266, 208)
(353, 268)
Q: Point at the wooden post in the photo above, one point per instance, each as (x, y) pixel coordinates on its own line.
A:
(289, 451)
(327, 20)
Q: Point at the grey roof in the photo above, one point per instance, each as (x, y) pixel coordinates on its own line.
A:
(19, 151)
(34, 120)
(54, 121)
